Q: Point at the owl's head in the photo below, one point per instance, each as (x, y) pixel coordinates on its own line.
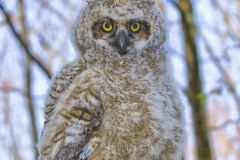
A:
(119, 27)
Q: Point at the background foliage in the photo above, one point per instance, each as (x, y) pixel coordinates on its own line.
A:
(204, 44)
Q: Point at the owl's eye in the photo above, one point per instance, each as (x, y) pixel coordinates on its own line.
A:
(135, 26)
(107, 26)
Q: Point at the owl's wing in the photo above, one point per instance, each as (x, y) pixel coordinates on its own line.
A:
(72, 131)
(72, 115)
(82, 124)
(60, 83)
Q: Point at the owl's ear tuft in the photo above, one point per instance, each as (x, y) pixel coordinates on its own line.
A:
(91, 3)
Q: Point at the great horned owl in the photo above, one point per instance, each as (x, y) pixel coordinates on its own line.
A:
(117, 101)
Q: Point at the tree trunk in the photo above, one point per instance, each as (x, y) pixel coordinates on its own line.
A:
(28, 80)
(195, 93)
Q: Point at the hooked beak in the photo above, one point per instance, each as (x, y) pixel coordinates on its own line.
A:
(121, 42)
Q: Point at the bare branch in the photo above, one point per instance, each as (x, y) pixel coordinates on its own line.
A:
(8, 113)
(22, 41)
(13, 89)
(58, 14)
(226, 76)
(225, 124)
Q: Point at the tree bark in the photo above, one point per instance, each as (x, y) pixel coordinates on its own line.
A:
(195, 93)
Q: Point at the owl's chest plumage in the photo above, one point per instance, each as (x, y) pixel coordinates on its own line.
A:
(129, 112)
(128, 128)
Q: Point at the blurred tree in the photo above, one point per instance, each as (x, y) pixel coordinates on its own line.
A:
(194, 91)
(28, 79)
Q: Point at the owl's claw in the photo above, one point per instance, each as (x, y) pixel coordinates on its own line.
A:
(84, 153)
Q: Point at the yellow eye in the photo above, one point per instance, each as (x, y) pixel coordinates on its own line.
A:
(107, 26)
(135, 26)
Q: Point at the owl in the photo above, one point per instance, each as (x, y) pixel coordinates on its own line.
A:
(117, 100)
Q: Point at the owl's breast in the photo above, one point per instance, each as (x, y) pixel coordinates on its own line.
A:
(126, 127)
(125, 130)
(138, 121)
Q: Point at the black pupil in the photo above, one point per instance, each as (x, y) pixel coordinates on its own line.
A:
(135, 25)
(107, 25)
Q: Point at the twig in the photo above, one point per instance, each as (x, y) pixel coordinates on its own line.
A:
(22, 41)
(58, 14)
(221, 70)
(20, 92)
(225, 124)
(12, 89)
(13, 146)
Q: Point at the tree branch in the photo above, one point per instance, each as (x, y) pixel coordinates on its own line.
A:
(45, 4)
(13, 89)
(28, 80)
(222, 71)
(22, 41)
(225, 124)
(195, 92)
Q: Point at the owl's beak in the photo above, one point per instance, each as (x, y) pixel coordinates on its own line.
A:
(121, 41)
